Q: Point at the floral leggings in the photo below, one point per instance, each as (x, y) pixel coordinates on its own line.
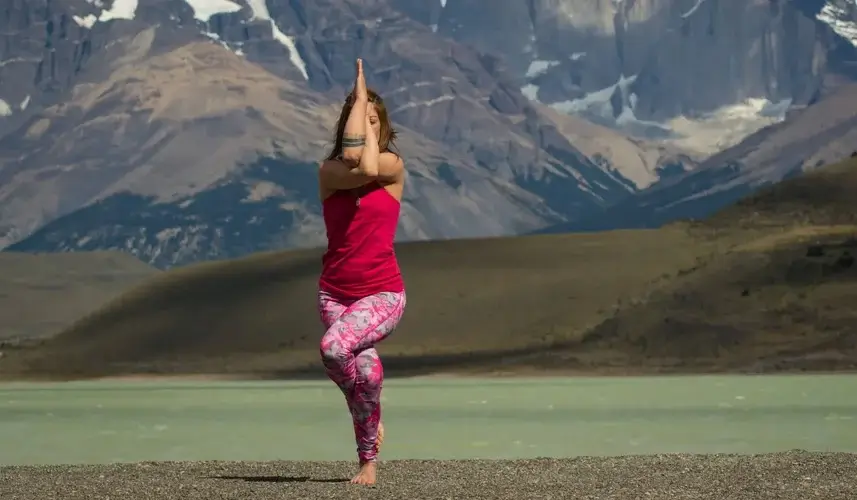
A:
(351, 361)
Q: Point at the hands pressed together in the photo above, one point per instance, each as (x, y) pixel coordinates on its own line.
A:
(360, 92)
(359, 157)
(368, 162)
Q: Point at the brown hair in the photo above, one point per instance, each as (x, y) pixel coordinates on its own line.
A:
(387, 139)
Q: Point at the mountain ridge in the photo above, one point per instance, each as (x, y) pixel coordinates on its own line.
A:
(165, 102)
(820, 134)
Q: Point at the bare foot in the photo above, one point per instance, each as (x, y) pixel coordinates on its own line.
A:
(366, 475)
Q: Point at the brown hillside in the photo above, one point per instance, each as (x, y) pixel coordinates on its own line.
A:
(823, 196)
(257, 315)
(781, 298)
(42, 294)
(787, 304)
(762, 296)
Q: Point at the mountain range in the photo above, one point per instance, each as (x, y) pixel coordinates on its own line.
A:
(187, 130)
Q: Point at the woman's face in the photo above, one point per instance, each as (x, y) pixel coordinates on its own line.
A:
(372, 113)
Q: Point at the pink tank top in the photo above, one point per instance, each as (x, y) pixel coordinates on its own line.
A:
(360, 260)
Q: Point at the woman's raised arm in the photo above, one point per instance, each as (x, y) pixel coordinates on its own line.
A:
(354, 134)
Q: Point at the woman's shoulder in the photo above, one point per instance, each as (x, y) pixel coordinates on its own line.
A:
(392, 159)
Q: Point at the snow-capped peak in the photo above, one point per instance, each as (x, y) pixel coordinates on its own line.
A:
(841, 16)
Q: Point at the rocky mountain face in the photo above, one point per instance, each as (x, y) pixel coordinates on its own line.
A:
(820, 134)
(198, 109)
(181, 130)
(701, 73)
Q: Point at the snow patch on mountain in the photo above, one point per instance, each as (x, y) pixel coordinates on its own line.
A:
(260, 11)
(840, 16)
(121, 9)
(693, 9)
(727, 126)
(598, 102)
(614, 106)
(538, 67)
(204, 9)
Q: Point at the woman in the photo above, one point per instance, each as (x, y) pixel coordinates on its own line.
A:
(361, 294)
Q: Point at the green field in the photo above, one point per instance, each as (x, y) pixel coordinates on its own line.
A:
(444, 418)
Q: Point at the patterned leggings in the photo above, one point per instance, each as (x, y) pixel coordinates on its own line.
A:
(351, 361)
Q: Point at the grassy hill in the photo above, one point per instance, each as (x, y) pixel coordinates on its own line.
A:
(780, 297)
(822, 197)
(257, 315)
(757, 287)
(42, 294)
(783, 303)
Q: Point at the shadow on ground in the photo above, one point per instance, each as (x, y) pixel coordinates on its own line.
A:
(279, 479)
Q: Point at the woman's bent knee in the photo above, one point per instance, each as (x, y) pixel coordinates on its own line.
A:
(332, 350)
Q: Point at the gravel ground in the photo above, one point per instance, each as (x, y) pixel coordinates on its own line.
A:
(781, 476)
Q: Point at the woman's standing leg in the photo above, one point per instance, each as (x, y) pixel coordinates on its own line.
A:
(353, 364)
(368, 362)
(365, 403)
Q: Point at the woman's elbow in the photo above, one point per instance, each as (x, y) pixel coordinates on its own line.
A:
(351, 156)
(370, 171)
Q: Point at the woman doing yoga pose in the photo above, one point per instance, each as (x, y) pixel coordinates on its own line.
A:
(361, 294)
